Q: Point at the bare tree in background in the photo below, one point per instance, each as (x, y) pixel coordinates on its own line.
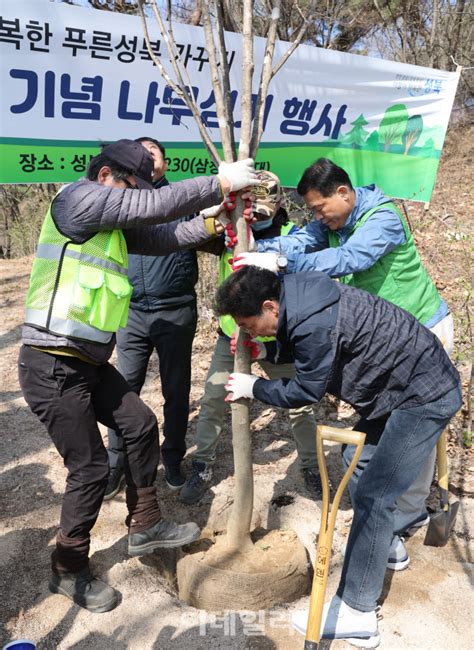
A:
(423, 32)
(214, 22)
(426, 32)
(338, 24)
(434, 33)
(119, 6)
(22, 209)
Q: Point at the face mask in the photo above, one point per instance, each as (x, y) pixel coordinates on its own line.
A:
(261, 225)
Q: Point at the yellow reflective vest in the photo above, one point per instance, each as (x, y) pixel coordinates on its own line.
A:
(79, 290)
(227, 323)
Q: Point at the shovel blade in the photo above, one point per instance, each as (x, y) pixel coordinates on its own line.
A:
(441, 525)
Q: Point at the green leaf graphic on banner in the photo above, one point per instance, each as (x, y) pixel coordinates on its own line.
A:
(393, 125)
(412, 132)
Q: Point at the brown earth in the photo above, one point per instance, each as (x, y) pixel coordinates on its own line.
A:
(425, 607)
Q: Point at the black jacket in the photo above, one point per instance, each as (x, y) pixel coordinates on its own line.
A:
(356, 346)
(163, 282)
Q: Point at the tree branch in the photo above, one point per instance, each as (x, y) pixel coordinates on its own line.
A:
(247, 75)
(265, 78)
(299, 37)
(221, 106)
(225, 73)
(180, 90)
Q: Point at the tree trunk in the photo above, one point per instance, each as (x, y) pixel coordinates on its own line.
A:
(238, 526)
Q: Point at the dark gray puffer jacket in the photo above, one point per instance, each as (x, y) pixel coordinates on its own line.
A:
(84, 208)
(164, 281)
(355, 346)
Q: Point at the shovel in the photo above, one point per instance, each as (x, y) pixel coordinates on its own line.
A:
(328, 521)
(442, 522)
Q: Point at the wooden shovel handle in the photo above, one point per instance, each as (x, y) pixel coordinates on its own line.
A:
(328, 522)
(342, 436)
(442, 462)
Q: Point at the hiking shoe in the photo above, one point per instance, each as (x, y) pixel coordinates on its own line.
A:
(340, 621)
(164, 534)
(173, 477)
(312, 482)
(115, 483)
(398, 557)
(197, 484)
(414, 527)
(85, 590)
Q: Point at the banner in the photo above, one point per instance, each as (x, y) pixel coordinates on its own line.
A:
(75, 77)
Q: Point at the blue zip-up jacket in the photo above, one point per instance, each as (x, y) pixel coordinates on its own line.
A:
(163, 282)
(308, 249)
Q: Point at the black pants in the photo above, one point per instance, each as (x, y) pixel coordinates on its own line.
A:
(70, 396)
(171, 333)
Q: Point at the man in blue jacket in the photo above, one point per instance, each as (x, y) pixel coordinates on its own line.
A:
(382, 361)
(162, 316)
(359, 236)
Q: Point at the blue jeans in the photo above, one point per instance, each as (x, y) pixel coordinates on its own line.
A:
(408, 437)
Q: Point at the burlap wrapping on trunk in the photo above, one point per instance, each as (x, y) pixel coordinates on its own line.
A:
(275, 571)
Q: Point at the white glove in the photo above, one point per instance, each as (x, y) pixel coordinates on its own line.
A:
(223, 220)
(251, 243)
(262, 260)
(239, 385)
(213, 211)
(237, 175)
(215, 218)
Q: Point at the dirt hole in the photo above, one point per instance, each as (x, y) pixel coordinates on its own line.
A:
(283, 500)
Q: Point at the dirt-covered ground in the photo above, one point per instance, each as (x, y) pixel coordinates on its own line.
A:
(425, 607)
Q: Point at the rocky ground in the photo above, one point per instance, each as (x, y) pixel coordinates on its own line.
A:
(425, 607)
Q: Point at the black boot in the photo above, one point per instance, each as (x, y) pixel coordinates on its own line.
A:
(173, 477)
(312, 482)
(197, 484)
(85, 590)
(115, 483)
